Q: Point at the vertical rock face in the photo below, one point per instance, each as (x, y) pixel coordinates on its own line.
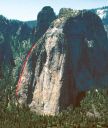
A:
(44, 19)
(71, 57)
(89, 43)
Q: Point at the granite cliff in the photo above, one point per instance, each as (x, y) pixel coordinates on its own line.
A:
(69, 59)
(44, 19)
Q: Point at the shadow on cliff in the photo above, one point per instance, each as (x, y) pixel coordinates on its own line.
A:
(86, 64)
(70, 59)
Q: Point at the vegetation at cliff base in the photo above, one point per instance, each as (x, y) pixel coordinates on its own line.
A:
(93, 113)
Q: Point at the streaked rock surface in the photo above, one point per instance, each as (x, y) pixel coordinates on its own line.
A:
(70, 58)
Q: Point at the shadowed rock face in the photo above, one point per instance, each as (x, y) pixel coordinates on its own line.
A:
(88, 48)
(44, 19)
(70, 59)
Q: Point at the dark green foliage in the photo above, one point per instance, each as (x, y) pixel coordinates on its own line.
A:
(25, 32)
(12, 116)
(16, 40)
(67, 12)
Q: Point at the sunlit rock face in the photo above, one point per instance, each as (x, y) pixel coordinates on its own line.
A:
(70, 59)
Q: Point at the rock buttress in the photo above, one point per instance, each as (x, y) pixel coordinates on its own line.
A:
(67, 63)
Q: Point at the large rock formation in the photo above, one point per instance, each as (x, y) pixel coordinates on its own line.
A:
(70, 58)
(44, 19)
